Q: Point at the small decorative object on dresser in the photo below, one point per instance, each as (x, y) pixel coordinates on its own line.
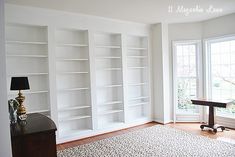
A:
(35, 137)
(13, 106)
(20, 83)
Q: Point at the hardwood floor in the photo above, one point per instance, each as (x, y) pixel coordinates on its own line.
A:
(227, 136)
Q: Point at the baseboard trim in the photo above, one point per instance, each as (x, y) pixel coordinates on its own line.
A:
(162, 122)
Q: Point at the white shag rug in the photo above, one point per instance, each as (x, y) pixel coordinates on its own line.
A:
(154, 141)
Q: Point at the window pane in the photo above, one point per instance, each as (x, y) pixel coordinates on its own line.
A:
(186, 78)
(223, 74)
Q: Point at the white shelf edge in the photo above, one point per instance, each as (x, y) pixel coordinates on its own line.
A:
(27, 56)
(137, 104)
(26, 42)
(108, 57)
(142, 67)
(111, 86)
(27, 74)
(30, 92)
(109, 112)
(138, 84)
(110, 69)
(36, 92)
(136, 56)
(110, 103)
(138, 98)
(74, 89)
(71, 45)
(39, 111)
(73, 118)
(71, 59)
(72, 108)
(137, 48)
(108, 46)
(73, 72)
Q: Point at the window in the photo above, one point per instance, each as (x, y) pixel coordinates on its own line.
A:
(186, 76)
(221, 72)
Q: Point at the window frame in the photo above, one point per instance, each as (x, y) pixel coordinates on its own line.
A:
(224, 120)
(183, 117)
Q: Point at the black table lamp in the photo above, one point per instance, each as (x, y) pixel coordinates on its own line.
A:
(20, 83)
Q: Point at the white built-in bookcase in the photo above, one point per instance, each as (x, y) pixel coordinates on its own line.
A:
(138, 95)
(73, 81)
(98, 80)
(27, 55)
(109, 80)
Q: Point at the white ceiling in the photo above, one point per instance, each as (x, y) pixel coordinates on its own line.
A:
(143, 11)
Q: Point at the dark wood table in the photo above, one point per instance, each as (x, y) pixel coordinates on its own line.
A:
(212, 104)
(34, 138)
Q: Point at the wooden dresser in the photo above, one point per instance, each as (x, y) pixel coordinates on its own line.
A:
(34, 138)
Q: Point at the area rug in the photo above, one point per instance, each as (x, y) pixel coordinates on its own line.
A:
(154, 141)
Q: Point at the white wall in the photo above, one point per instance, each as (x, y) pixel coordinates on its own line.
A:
(185, 31)
(157, 73)
(54, 18)
(161, 73)
(220, 26)
(5, 145)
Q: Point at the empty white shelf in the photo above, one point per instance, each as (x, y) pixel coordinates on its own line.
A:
(26, 42)
(61, 119)
(27, 56)
(27, 74)
(72, 45)
(137, 84)
(35, 92)
(39, 111)
(72, 59)
(110, 103)
(142, 67)
(138, 104)
(111, 86)
(137, 48)
(108, 57)
(72, 108)
(137, 57)
(138, 98)
(109, 112)
(108, 46)
(74, 89)
(111, 69)
(29, 92)
(73, 72)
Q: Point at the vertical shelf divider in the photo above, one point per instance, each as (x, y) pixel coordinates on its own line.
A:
(125, 87)
(52, 73)
(93, 80)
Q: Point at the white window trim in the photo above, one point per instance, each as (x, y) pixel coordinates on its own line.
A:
(227, 121)
(188, 117)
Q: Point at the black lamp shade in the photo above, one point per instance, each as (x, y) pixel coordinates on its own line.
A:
(19, 83)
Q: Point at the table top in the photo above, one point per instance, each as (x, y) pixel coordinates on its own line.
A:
(211, 102)
(35, 123)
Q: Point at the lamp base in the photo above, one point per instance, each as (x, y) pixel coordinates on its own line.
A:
(21, 112)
